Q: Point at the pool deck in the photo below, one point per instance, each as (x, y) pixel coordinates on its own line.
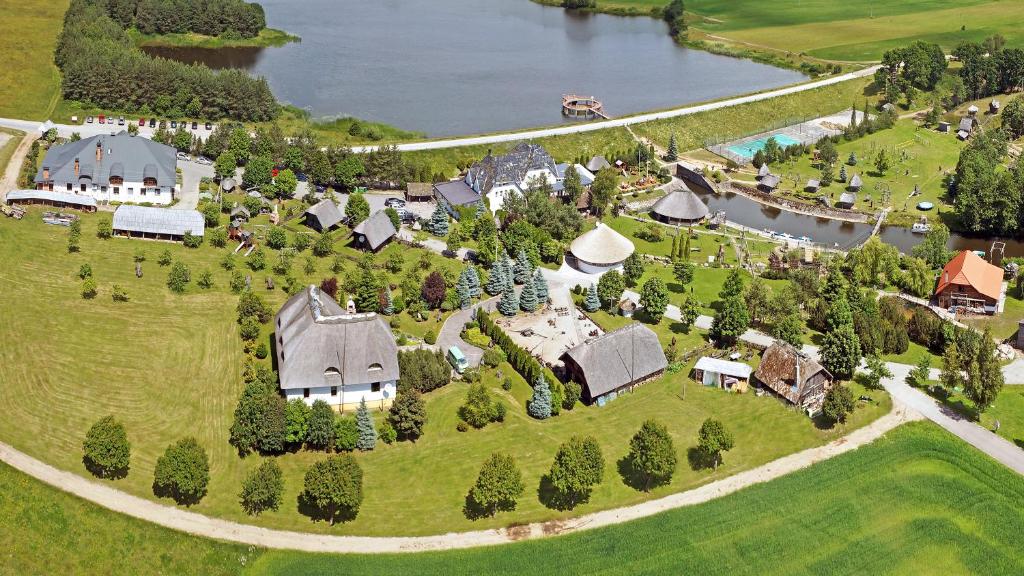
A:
(807, 132)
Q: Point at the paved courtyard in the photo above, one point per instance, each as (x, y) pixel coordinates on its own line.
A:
(555, 329)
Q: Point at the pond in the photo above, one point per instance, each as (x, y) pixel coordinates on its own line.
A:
(829, 232)
(448, 67)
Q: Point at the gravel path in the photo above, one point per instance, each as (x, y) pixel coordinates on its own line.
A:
(10, 176)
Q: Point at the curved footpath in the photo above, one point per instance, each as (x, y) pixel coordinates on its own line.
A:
(87, 130)
(207, 527)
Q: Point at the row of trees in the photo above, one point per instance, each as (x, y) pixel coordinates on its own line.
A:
(228, 18)
(987, 198)
(101, 66)
(989, 68)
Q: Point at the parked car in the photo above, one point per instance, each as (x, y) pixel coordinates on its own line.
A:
(320, 188)
(195, 125)
(394, 203)
(152, 122)
(120, 120)
(183, 156)
(209, 126)
(101, 119)
(174, 124)
(142, 122)
(204, 160)
(88, 119)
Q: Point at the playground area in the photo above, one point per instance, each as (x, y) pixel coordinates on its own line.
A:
(742, 150)
(550, 331)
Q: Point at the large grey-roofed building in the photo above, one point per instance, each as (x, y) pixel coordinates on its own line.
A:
(156, 223)
(615, 361)
(454, 194)
(112, 167)
(58, 199)
(323, 215)
(328, 353)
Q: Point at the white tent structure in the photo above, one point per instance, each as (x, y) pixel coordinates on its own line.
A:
(600, 250)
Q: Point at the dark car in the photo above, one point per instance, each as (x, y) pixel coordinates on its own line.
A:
(321, 188)
(209, 126)
(174, 123)
(301, 176)
(152, 122)
(394, 203)
(195, 125)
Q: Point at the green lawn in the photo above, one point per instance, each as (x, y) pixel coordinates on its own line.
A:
(920, 157)
(169, 366)
(29, 81)
(893, 507)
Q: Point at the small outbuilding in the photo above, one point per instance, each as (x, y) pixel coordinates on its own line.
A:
(679, 206)
(156, 223)
(323, 215)
(600, 250)
(966, 127)
(419, 192)
(52, 198)
(724, 374)
(374, 232)
(769, 183)
(240, 213)
(847, 200)
(812, 185)
(944, 127)
(763, 171)
(228, 184)
(797, 378)
(855, 183)
(993, 107)
(615, 362)
(598, 163)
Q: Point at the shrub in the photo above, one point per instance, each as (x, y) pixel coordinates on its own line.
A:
(408, 414)
(346, 434)
(104, 229)
(386, 432)
(89, 289)
(249, 329)
(493, 357)
(476, 338)
(430, 337)
(165, 258)
(191, 240)
(262, 489)
(205, 280)
(573, 391)
(506, 384)
(261, 350)
(119, 294)
(183, 472)
(218, 237)
(85, 271)
(462, 426)
(480, 409)
(178, 277)
(107, 453)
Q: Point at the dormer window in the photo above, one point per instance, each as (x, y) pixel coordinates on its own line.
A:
(374, 367)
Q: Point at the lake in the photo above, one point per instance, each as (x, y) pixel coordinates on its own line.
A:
(448, 67)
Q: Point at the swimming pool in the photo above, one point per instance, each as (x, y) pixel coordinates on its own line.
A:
(750, 148)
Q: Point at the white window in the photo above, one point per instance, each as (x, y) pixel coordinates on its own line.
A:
(117, 189)
(131, 191)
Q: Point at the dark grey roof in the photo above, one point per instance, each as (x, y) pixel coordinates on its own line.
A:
(326, 212)
(157, 220)
(856, 182)
(315, 335)
(134, 154)
(598, 163)
(849, 198)
(117, 169)
(457, 193)
(586, 177)
(509, 168)
(763, 171)
(966, 124)
(65, 197)
(770, 181)
(619, 358)
(377, 229)
(680, 204)
(813, 184)
(240, 210)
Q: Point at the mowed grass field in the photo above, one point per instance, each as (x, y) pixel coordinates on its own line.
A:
(917, 501)
(857, 30)
(29, 81)
(168, 366)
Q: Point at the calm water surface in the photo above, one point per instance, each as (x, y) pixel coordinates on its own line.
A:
(448, 67)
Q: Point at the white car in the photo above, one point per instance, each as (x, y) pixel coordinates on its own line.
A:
(183, 156)
(204, 160)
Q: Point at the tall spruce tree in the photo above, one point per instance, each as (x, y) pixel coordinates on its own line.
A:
(541, 285)
(509, 303)
(438, 224)
(462, 290)
(673, 149)
(474, 281)
(389, 305)
(523, 271)
(540, 403)
(367, 433)
(528, 296)
(496, 279)
(509, 267)
(592, 303)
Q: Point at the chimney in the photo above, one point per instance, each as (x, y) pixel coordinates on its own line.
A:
(99, 152)
(46, 173)
(76, 167)
(797, 378)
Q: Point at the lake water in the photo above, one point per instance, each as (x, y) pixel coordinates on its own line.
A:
(747, 212)
(447, 67)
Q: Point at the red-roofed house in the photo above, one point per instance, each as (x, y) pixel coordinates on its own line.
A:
(969, 281)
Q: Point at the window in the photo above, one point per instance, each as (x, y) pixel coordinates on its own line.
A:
(375, 366)
(334, 390)
(375, 387)
(131, 191)
(142, 191)
(69, 186)
(305, 392)
(117, 189)
(103, 189)
(83, 187)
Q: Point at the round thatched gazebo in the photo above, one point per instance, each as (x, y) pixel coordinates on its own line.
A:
(680, 206)
(600, 250)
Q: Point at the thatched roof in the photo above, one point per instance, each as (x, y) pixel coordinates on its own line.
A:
(377, 229)
(419, 190)
(316, 338)
(856, 182)
(619, 358)
(681, 204)
(326, 213)
(771, 181)
(598, 163)
(602, 246)
(778, 371)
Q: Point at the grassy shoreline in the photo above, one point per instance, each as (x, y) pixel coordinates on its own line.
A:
(267, 37)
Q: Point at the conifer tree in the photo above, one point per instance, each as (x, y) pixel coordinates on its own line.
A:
(592, 303)
(528, 297)
(474, 281)
(684, 248)
(462, 290)
(540, 403)
(673, 149)
(496, 280)
(389, 305)
(367, 432)
(842, 173)
(438, 223)
(523, 270)
(674, 254)
(541, 285)
(509, 303)
(509, 269)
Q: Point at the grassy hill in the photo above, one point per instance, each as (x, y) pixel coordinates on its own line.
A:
(29, 81)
